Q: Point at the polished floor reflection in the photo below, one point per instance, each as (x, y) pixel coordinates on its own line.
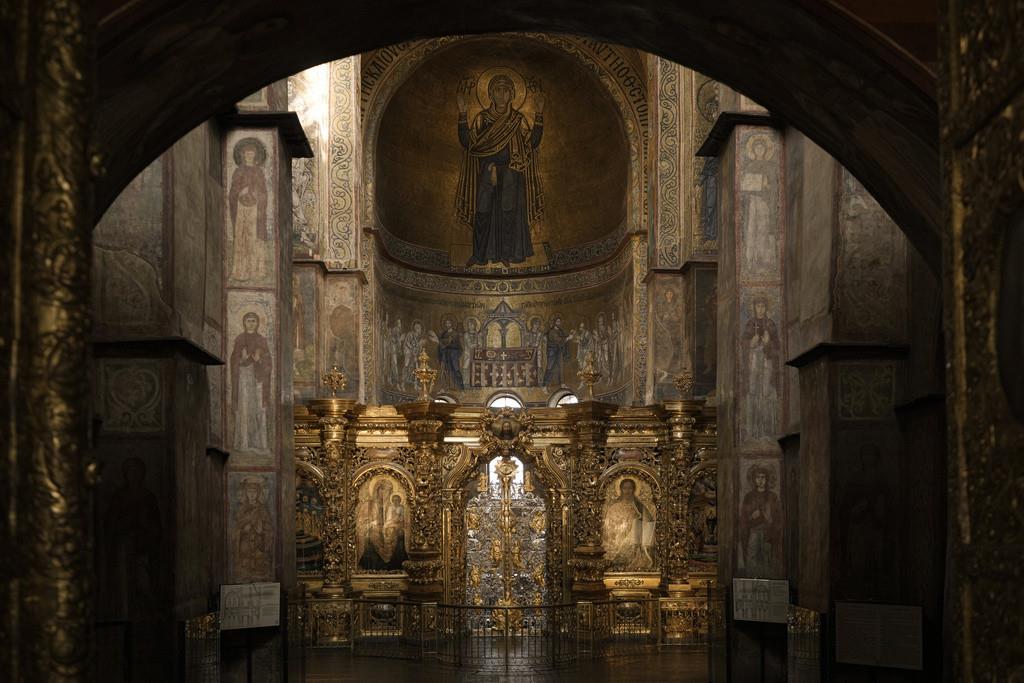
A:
(322, 666)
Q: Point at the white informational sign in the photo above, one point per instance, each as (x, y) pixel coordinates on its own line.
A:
(760, 600)
(250, 605)
(879, 635)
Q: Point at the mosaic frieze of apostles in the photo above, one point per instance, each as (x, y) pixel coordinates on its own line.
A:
(383, 524)
(501, 153)
(533, 344)
(628, 522)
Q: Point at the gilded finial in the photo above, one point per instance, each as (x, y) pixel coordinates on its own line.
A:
(425, 375)
(684, 384)
(335, 380)
(589, 375)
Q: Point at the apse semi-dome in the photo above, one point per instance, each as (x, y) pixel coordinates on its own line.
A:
(533, 177)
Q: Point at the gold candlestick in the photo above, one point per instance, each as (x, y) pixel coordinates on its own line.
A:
(684, 384)
(425, 375)
(589, 375)
(335, 380)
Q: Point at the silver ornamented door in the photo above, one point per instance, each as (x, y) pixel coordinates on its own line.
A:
(506, 538)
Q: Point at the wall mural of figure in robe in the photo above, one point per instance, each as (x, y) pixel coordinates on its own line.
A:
(761, 349)
(382, 525)
(449, 355)
(628, 529)
(252, 527)
(248, 201)
(760, 552)
(499, 192)
(251, 369)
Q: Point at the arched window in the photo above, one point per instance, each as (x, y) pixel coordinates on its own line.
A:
(562, 398)
(504, 401)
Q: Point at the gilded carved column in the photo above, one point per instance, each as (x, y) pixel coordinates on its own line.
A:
(425, 565)
(45, 127)
(588, 563)
(335, 460)
(677, 459)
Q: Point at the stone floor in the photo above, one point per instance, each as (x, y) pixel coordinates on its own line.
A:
(338, 666)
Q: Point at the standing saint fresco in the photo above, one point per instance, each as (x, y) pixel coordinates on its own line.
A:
(499, 192)
(247, 206)
(628, 536)
(251, 367)
(253, 532)
(762, 351)
(760, 524)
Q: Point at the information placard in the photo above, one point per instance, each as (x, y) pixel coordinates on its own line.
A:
(250, 605)
(879, 635)
(760, 600)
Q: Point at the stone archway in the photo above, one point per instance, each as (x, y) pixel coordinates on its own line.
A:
(163, 71)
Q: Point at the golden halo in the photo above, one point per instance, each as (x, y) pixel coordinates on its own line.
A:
(485, 80)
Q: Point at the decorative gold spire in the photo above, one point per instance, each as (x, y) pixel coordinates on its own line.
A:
(684, 384)
(589, 375)
(335, 380)
(425, 375)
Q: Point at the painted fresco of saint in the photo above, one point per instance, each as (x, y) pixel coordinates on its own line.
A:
(251, 368)
(247, 205)
(499, 192)
(253, 532)
(628, 536)
(760, 524)
(762, 351)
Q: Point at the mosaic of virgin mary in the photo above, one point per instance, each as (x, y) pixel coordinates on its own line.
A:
(499, 191)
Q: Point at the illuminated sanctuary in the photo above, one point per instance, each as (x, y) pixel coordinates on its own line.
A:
(492, 344)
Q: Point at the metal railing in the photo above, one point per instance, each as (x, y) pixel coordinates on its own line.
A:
(506, 637)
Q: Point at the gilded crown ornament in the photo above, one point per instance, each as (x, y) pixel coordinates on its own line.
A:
(684, 384)
(335, 380)
(589, 375)
(425, 375)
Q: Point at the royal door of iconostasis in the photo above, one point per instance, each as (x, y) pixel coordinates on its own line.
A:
(506, 537)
